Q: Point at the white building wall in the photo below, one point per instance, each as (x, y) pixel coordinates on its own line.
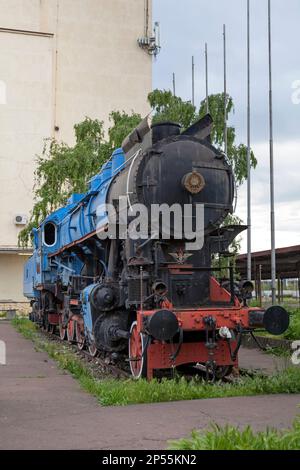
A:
(26, 69)
(60, 60)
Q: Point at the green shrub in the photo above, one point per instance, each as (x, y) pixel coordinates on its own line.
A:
(293, 332)
(232, 438)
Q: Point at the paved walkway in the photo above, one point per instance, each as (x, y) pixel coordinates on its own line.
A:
(258, 361)
(43, 408)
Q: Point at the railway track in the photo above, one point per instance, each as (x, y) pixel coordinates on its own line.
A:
(102, 366)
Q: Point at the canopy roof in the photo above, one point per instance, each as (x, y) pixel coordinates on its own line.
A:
(287, 263)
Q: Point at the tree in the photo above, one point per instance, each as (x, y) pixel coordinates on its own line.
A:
(167, 107)
(123, 124)
(63, 170)
(236, 153)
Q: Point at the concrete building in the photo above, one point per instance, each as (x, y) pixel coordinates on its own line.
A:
(60, 60)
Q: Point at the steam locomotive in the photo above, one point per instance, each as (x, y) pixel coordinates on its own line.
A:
(150, 299)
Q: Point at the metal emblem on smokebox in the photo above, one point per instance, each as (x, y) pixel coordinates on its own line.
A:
(180, 256)
(194, 182)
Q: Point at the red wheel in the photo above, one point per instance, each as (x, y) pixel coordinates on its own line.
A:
(80, 339)
(137, 353)
(93, 349)
(62, 331)
(71, 331)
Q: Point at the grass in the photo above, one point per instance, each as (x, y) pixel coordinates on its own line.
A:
(232, 438)
(112, 392)
(293, 331)
(279, 352)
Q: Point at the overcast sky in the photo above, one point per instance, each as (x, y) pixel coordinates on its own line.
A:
(185, 27)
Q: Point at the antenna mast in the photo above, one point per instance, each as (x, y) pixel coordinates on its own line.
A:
(174, 84)
(225, 91)
(273, 249)
(193, 81)
(249, 271)
(206, 78)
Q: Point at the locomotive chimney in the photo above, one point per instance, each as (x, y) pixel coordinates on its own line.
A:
(162, 130)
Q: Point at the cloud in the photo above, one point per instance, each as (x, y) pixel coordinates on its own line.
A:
(287, 226)
(187, 25)
(287, 196)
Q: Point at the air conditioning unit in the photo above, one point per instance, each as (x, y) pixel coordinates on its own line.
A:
(21, 219)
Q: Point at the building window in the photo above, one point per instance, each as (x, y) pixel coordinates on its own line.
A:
(50, 234)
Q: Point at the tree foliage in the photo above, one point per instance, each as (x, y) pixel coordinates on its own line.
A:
(63, 169)
(167, 107)
(123, 124)
(236, 153)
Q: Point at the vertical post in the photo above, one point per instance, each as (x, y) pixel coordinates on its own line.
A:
(174, 84)
(279, 290)
(256, 281)
(225, 91)
(249, 274)
(206, 78)
(141, 288)
(272, 214)
(259, 282)
(231, 273)
(193, 81)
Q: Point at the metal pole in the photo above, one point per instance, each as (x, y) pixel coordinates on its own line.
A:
(256, 281)
(273, 246)
(206, 78)
(260, 286)
(249, 274)
(141, 287)
(193, 81)
(174, 84)
(225, 92)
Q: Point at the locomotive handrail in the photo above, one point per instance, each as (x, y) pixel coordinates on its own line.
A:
(128, 177)
(189, 267)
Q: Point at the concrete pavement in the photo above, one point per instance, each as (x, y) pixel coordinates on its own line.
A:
(41, 407)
